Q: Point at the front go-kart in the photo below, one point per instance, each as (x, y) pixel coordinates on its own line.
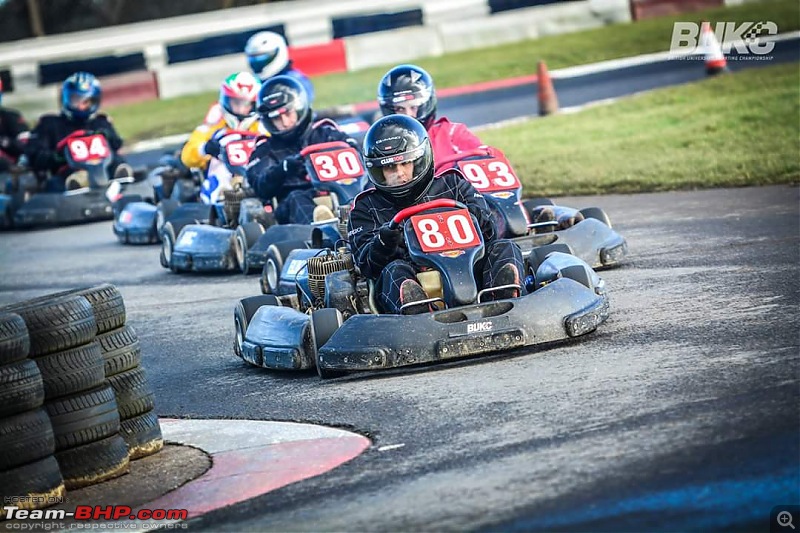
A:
(200, 237)
(90, 193)
(592, 238)
(336, 172)
(331, 321)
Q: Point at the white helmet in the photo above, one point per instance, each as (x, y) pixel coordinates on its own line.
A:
(267, 54)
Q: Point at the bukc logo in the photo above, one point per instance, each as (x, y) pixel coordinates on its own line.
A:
(687, 37)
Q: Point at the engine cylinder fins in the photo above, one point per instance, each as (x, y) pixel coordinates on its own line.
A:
(321, 266)
(232, 204)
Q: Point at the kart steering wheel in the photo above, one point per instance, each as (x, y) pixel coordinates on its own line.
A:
(408, 212)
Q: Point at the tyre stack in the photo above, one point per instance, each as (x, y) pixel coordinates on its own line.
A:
(30, 477)
(82, 407)
(122, 369)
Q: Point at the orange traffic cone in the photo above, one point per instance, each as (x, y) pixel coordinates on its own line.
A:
(715, 59)
(548, 103)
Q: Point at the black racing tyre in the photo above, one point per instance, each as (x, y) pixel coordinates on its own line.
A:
(25, 438)
(276, 255)
(577, 273)
(142, 434)
(168, 236)
(120, 350)
(105, 299)
(243, 313)
(596, 213)
(39, 484)
(324, 323)
(14, 340)
(539, 254)
(21, 387)
(246, 236)
(56, 323)
(84, 417)
(133, 392)
(71, 371)
(164, 210)
(94, 462)
(531, 203)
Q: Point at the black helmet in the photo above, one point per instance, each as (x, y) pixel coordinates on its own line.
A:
(409, 84)
(399, 139)
(278, 96)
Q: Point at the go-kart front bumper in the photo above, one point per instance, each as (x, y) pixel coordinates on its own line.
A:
(203, 248)
(136, 224)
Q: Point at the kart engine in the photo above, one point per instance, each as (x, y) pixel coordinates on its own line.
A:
(233, 204)
(322, 265)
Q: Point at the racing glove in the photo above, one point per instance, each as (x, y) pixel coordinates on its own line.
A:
(389, 237)
(212, 147)
(293, 165)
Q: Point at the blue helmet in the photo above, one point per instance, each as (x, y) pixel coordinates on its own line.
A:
(80, 96)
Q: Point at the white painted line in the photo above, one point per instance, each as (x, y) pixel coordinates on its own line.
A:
(390, 447)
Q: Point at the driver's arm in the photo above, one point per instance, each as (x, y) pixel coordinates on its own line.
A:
(192, 154)
(369, 254)
(40, 149)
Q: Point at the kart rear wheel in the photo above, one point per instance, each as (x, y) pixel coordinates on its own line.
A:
(324, 323)
(539, 254)
(531, 203)
(245, 237)
(596, 213)
(276, 255)
(243, 314)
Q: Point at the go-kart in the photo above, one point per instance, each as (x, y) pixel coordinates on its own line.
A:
(137, 219)
(199, 237)
(336, 172)
(90, 193)
(591, 238)
(329, 318)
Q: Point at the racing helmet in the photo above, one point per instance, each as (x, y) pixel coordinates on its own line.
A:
(281, 95)
(267, 54)
(397, 139)
(80, 96)
(237, 98)
(409, 85)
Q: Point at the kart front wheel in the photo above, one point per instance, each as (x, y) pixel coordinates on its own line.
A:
(167, 244)
(245, 237)
(276, 255)
(596, 213)
(324, 323)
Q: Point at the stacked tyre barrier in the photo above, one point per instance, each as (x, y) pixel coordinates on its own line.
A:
(99, 405)
(30, 477)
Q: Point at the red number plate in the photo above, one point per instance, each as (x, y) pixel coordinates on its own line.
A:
(445, 231)
(490, 175)
(90, 147)
(336, 165)
(239, 152)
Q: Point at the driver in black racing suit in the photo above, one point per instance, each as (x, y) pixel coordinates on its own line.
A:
(400, 164)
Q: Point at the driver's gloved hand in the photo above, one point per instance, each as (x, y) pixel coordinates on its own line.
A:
(390, 237)
(212, 147)
(293, 165)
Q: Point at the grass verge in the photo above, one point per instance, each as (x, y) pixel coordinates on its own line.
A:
(182, 114)
(733, 130)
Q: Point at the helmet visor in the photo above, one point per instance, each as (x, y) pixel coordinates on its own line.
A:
(400, 169)
(82, 101)
(258, 62)
(240, 107)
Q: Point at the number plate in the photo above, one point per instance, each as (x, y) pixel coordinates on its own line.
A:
(336, 165)
(238, 152)
(490, 174)
(87, 148)
(445, 231)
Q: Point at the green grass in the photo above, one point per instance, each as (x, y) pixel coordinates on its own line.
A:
(181, 115)
(732, 130)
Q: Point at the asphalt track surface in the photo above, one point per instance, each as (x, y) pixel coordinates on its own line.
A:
(680, 413)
